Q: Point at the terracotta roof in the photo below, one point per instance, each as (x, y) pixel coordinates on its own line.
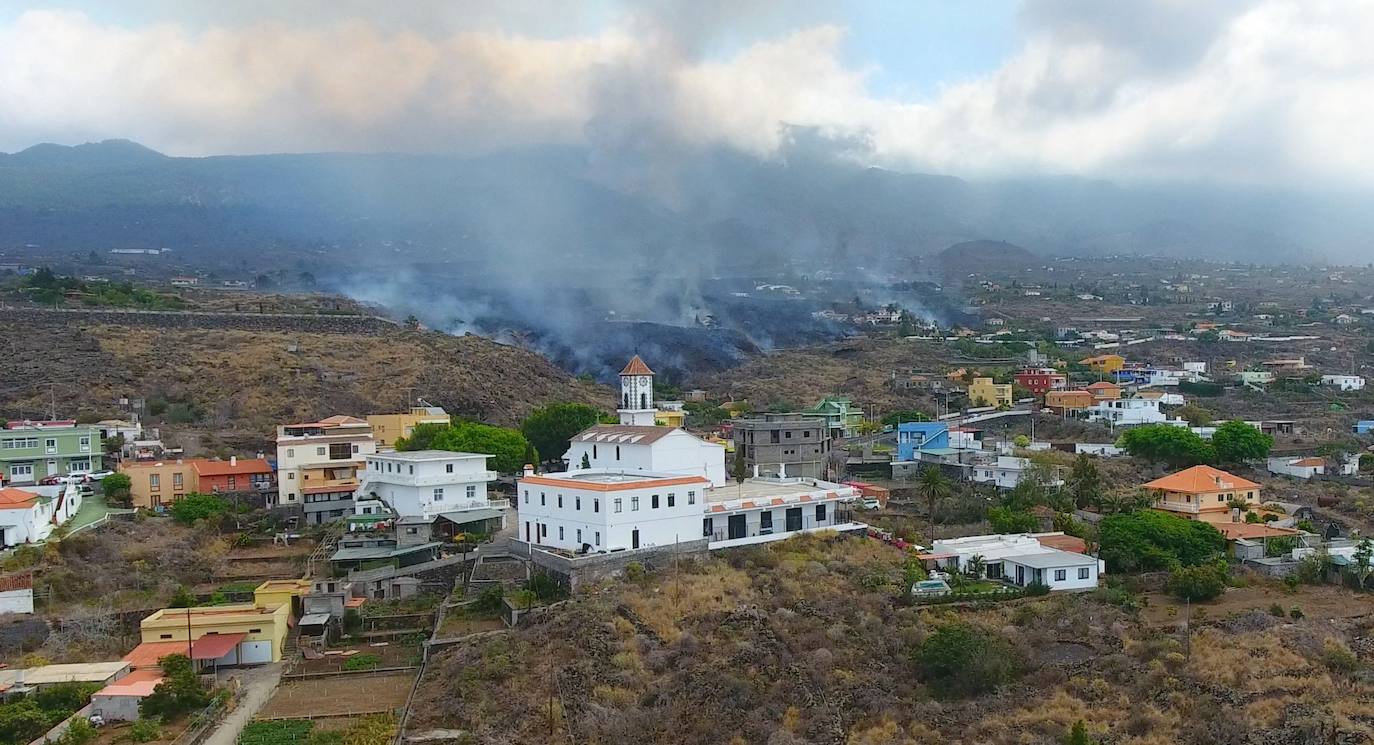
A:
(11, 498)
(138, 683)
(1308, 462)
(1201, 480)
(1063, 543)
(1102, 385)
(206, 647)
(623, 434)
(16, 582)
(226, 468)
(636, 366)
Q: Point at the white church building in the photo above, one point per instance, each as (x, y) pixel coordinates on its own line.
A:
(636, 444)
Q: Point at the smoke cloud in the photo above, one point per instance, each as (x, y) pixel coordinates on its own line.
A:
(1265, 92)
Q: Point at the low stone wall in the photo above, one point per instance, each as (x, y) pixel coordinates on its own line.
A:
(169, 319)
(575, 571)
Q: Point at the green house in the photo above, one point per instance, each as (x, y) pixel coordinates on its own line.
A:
(841, 416)
(31, 451)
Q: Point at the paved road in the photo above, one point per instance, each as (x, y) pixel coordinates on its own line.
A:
(258, 685)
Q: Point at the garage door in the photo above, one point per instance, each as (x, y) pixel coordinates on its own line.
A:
(253, 653)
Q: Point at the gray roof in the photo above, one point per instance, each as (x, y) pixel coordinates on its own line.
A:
(364, 553)
(1051, 559)
(313, 619)
(462, 517)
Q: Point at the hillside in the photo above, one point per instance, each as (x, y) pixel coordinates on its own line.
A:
(805, 642)
(976, 256)
(254, 374)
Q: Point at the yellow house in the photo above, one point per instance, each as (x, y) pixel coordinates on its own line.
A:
(984, 392)
(153, 483)
(275, 592)
(386, 428)
(238, 634)
(1203, 493)
(670, 418)
(1105, 363)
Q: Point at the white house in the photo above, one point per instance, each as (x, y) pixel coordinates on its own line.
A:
(1298, 468)
(420, 483)
(1020, 559)
(1344, 382)
(636, 444)
(769, 509)
(1127, 412)
(1006, 472)
(597, 509)
(30, 514)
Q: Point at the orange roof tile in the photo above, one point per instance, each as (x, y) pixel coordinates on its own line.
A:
(1201, 480)
(1233, 531)
(11, 498)
(1063, 543)
(138, 683)
(636, 366)
(1308, 462)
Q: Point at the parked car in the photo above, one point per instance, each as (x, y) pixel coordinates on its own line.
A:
(51, 480)
(97, 475)
(870, 503)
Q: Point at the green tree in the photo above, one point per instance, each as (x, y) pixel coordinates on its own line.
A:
(1237, 442)
(1084, 482)
(22, 721)
(179, 692)
(740, 469)
(1009, 520)
(933, 486)
(510, 450)
(1165, 443)
(196, 506)
(958, 660)
(1198, 583)
(912, 572)
(116, 487)
(1149, 540)
(551, 428)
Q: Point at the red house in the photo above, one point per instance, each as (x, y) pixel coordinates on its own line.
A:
(1040, 380)
(233, 475)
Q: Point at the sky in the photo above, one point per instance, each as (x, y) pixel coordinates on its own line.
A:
(1253, 92)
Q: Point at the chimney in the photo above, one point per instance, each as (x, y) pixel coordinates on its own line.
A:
(529, 469)
(233, 460)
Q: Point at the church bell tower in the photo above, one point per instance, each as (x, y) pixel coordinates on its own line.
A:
(637, 394)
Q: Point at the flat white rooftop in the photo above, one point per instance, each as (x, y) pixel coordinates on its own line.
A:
(427, 455)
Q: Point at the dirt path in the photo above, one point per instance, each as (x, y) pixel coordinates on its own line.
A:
(258, 685)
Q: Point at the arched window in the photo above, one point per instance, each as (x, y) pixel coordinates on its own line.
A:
(643, 400)
(626, 404)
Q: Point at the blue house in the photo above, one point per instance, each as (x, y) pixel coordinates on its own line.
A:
(1364, 427)
(913, 436)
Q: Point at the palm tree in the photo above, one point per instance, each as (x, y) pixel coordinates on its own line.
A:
(933, 485)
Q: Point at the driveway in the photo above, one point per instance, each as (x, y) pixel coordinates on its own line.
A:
(258, 685)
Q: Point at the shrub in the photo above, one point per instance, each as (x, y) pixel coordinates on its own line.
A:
(489, 599)
(79, 732)
(278, 732)
(146, 730)
(1007, 520)
(1295, 613)
(1198, 583)
(959, 660)
(195, 507)
(1150, 540)
(178, 693)
(1276, 610)
(362, 662)
(634, 571)
(1037, 589)
(1338, 658)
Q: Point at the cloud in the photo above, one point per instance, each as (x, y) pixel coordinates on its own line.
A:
(1253, 91)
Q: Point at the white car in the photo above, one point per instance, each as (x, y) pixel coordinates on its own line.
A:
(98, 475)
(870, 503)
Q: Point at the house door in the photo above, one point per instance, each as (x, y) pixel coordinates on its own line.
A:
(527, 531)
(634, 538)
(737, 529)
(794, 519)
(1020, 575)
(766, 522)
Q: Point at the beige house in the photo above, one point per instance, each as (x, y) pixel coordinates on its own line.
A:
(1203, 493)
(154, 483)
(387, 428)
(984, 392)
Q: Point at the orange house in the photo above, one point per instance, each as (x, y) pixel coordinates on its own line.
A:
(1203, 493)
(233, 475)
(1065, 401)
(1104, 391)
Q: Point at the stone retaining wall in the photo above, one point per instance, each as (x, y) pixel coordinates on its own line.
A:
(575, 571)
